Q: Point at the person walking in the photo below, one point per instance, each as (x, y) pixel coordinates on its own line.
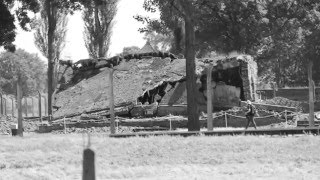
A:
(250, 114)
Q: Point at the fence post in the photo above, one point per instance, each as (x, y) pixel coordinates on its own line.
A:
(209, 99)
(226, 119)
(26, 106)
(285, 116)
(45, 106)
(39, 106)
(111, 102)
(5, 106)
(32, 105)
(19, 99)
(1, 102)
(88, 172)
(12, 104)
(64, 125)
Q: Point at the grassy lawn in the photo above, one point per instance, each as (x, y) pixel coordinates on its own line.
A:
(47, 156)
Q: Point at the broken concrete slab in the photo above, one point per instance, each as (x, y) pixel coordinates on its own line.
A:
(146, 79)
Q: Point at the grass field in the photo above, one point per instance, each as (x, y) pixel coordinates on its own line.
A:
(47, 156)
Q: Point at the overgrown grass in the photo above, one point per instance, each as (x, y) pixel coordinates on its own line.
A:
(48, 156)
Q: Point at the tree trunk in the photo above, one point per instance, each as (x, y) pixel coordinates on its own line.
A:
(278, 74)
(51, 62)
(209, 99)
(311, 94)
(192, 107)
(99, 40)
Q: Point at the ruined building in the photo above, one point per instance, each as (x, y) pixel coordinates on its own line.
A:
(233, 79)
(160, 79)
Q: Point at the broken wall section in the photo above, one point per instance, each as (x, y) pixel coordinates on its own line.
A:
(233, 79)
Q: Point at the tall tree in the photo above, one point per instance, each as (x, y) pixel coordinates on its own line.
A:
(30, 68)
(185, 10)
(98, 18)
(41, 27)
(49, 38)
(52, 9)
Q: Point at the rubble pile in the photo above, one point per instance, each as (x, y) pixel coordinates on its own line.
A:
(281, 101)
(92, 93)
(161, 80)
(6, 121)
(92, 130)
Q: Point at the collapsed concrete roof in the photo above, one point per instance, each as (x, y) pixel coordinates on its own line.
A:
(92, 91)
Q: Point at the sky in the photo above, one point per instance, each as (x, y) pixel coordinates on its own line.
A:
(125, 32)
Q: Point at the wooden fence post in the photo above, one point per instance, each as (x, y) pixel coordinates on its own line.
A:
(32, 105)
(209, 99)
(5, 106)
(19, 99)
(88, 172)
(64, 125)
(12, 104)
(45, 106)
(26, 106)
(311, 93)
(226, 119)
(39, 106)
(1, 102)
(285, 116)
(111, 103)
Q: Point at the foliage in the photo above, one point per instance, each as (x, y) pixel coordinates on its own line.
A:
(130, 50)
(41, 26)
(7, 27)
(279, 34)
(223, 26)
(98, 22)
(159, 41)
(30, 67)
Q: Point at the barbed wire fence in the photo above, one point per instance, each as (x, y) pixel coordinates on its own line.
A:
(278, 115)
(31, 106)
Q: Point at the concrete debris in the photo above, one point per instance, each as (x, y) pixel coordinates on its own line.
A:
(160, 79)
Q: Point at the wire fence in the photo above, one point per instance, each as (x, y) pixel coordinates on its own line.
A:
(31, 106)
(274, 114)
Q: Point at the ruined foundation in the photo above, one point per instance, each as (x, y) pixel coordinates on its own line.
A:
(156, 81)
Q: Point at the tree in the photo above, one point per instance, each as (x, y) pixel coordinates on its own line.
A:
(41, 26)
(7, 27)
(51, 10)
(30, 68)
(223, 26)
(159, 41)
(130, 50)
(98, 21)
(185, 10)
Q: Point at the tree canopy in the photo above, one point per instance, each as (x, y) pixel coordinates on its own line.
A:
(281, 35)
(98, 23)
(7, 27)
(29, 66)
